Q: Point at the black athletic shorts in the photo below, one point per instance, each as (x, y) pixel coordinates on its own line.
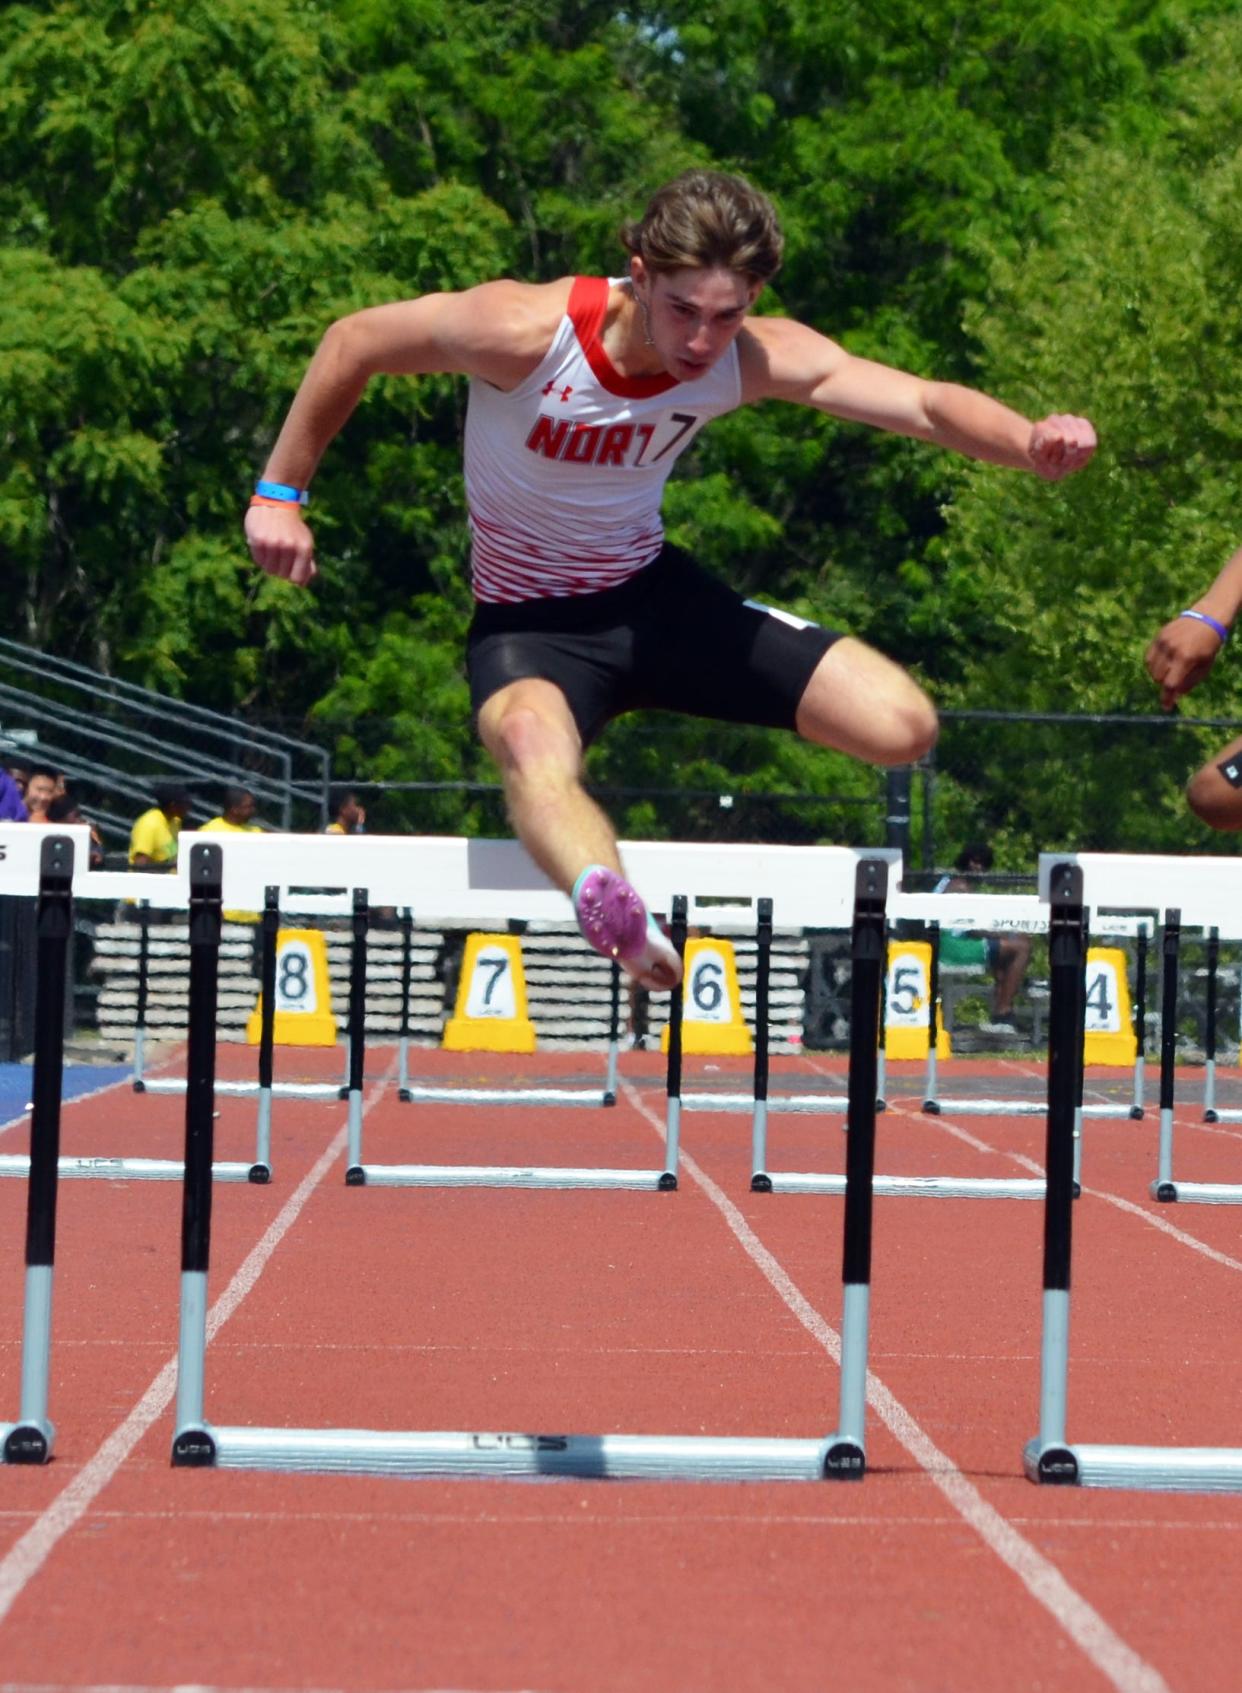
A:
(672, 638)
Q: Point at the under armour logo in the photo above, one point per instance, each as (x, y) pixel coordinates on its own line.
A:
(565, 392)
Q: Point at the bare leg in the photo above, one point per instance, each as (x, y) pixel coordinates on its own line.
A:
(862, 703)
(1011, 963)
(1212, 796)
(530, 732)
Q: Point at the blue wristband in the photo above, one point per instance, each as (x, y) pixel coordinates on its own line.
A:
(1202, 617)
(279, 491)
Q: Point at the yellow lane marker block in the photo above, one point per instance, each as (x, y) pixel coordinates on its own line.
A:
(712, 1020)
(491, 1014)
(303, 998)
(907, 1017)
(1108, 1036)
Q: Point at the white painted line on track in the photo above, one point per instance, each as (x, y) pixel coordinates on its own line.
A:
(1121, 1666)
(1152, 1218)
(27, 1556)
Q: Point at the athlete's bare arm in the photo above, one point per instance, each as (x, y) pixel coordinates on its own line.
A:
(498, 331)
(784, 360)
(1185, 649)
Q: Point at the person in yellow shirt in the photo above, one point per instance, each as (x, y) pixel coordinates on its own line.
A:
(153, 838)
(348, 817)
(235, 819)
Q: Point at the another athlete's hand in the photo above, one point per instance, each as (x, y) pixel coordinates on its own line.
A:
(1180, 657)
(280, 542)
(1060, 445)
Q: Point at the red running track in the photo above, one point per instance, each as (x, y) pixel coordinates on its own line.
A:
(711, 1310)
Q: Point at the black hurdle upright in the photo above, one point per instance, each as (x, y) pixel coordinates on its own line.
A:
(1048, 1457)
(672, 1110)
(845, 1458)
(1210, 1114)
(760, 1181)
(261, 1169)
(403, 1033)
(144, 971)
(1140, 1023)
(1164, 1188)
(29, 1440)
(931, 1104)
(192, 1443)
(355, 1175)
(614, 1032)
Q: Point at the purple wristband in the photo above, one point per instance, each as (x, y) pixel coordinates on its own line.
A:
(1202, 617)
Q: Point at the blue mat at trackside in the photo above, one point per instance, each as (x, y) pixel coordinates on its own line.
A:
(16, 1081)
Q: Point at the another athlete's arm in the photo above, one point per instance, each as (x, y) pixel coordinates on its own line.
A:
(498, 331)
(1185, 649)
(785, 360)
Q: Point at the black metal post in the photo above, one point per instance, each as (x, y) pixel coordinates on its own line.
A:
(206, 874)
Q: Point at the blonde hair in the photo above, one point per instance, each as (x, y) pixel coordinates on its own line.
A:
(708, 220)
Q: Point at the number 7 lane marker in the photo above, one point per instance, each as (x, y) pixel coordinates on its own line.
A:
(1110, 1654)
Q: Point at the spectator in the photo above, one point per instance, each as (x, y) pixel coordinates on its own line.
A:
(1004, 956)
(348, 817)
(153, 838)
(19, 771)
(234, 819)
(12, 805)
(41, 787)
(64, 809)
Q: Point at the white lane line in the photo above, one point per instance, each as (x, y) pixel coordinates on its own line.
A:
(1153, 1219)
(1115, 1660)
(27, 1556)
(608, 1518)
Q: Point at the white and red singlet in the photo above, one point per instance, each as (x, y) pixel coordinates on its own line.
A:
(565, 473)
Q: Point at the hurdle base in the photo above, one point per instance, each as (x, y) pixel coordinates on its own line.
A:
(1136, 1113)
(931, 1107)
(125, 1169)
(507, 1096)
(1211, 1117)
(907, 1187)
(506, 1175)
(760, 1182)
(26, 1443)
(1153, 1469)
(140, 1087)
(515, 1455)
(259, 1174)
(844, 1460)
(1051, 1466)
(194, 1448)
(1197, 1193)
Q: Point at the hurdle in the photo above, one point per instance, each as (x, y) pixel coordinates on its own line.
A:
(463, 883)
(1050, 1458)
(30, 1439)
(840, 1455)
(1015, 914)
(19, 875)
(961, 909)
(1208, 902)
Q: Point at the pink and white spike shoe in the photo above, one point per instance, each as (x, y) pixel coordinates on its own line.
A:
(614, 920)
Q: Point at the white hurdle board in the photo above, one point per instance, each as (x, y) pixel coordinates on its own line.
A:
(457, 881)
